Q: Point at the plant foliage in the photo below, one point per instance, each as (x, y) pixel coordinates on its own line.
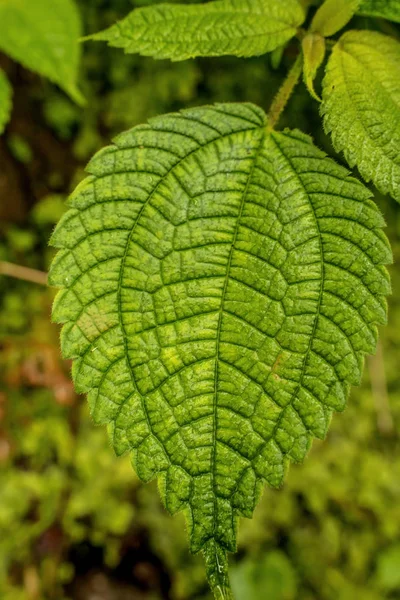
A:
(387, 9)
(221, 282)
(313, 47)
(239, 27)
(43, 36)
(333, 15)
(221, 285)
(361, 106)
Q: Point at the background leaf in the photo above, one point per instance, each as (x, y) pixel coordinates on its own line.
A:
(43, 36)
(333, 15)
(273, 578)
(221, 287)
(361, 106)
(388, 9)
(239, 27)
(5, 100)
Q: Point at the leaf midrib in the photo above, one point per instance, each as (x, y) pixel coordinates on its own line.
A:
(221, 309)
(219, 326)
(192, 39)
(124, 257)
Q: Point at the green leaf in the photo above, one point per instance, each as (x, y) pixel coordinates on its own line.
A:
(387, 9)
(361, 106)
(5, 100)
(239, 27)
(221, 285)
(276, 57)
(43, 36)
(267, 577)
(313, 46)
(333, 15)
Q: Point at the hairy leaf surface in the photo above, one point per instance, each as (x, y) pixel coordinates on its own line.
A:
(239, 27)
(387, 9)
(43, 36)
(221, 285)
(361, 106)
(5, 100)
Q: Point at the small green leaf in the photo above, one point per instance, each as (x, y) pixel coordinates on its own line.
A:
(43, 36)
(221, 285)
(178, 32)
(333, 15)
(276, 56)
(387, 9)
(313, 45)
(5, 100)
(361, 106)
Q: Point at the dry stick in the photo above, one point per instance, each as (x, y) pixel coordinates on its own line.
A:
(376, 368)
(25, 273)
(284, 92)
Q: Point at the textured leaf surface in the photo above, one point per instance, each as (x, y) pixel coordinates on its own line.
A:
(361, 105)
(387, 9)
(5, 100)
(221, 285)
(239, 27)
(333, 15)
(43, 36)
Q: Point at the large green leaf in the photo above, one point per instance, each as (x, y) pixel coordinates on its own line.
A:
(43, 36)
(221, 285)
(5, 100)
(361, 105)
(239, 27)
(388, 9)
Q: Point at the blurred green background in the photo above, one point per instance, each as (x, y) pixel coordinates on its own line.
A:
(75, 523)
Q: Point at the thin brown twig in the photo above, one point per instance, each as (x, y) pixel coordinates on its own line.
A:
(25, 273)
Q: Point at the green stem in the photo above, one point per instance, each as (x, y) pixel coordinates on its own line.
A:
(284, 92)
(217, 570)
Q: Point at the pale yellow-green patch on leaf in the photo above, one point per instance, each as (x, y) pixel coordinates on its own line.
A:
(43, 35)
(313, 46)
(333, 15)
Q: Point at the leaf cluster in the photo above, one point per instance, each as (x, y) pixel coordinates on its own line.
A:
(222, 281)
